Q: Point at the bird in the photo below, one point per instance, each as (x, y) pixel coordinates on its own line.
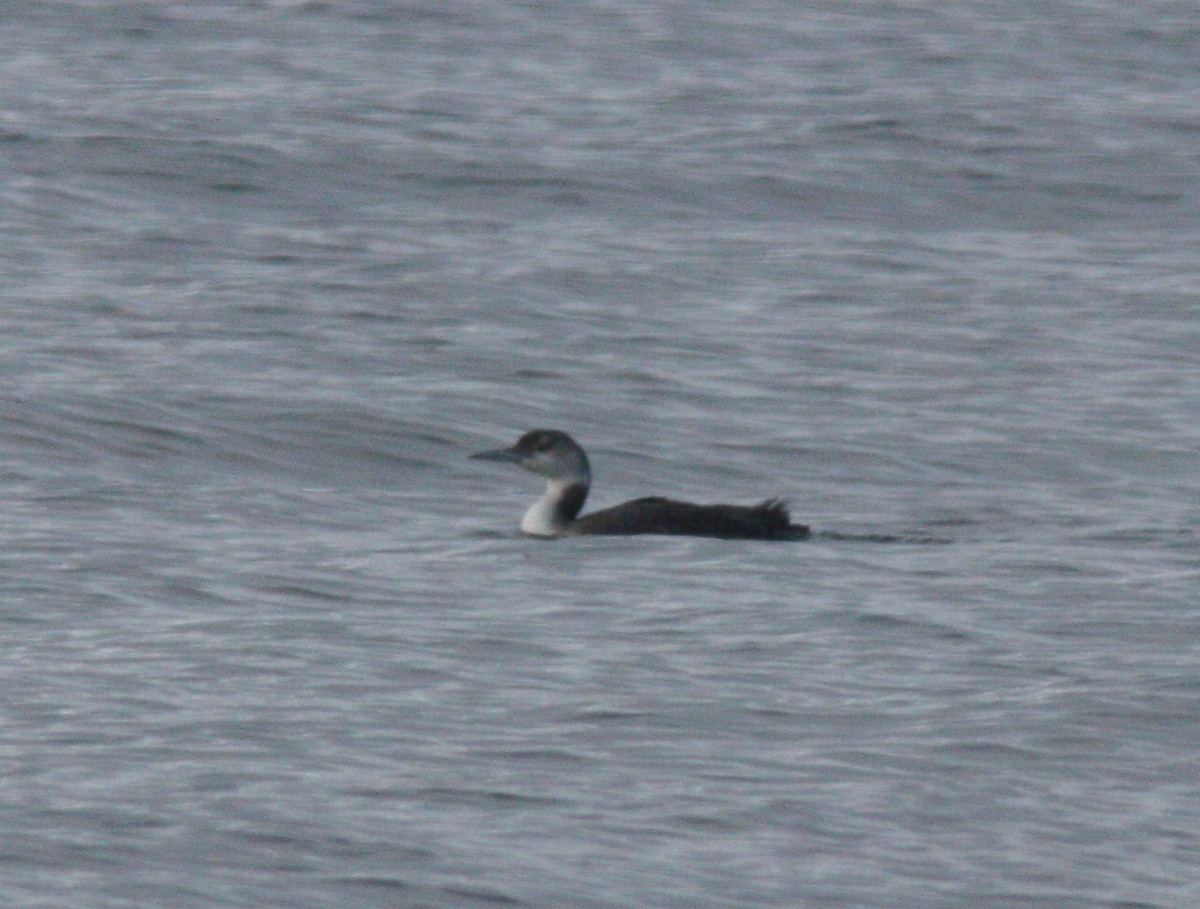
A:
(562, 461)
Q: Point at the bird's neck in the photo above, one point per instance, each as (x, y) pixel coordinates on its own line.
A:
(553, 512)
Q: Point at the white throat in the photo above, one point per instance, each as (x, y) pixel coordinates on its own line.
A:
(543, 518)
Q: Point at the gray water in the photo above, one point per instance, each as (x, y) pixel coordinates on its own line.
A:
(273, 270)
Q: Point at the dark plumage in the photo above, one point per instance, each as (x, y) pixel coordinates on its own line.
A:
(560, 459)
(768, 520)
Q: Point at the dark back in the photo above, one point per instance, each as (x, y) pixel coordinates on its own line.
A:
(768, 520)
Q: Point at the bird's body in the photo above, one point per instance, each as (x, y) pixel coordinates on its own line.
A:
(559, 458)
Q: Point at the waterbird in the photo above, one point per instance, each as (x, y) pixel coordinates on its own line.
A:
(562, 461)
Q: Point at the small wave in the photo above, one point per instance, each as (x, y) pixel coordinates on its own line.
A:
(906, 539)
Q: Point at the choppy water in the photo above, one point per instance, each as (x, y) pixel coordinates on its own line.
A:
(272, 270)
